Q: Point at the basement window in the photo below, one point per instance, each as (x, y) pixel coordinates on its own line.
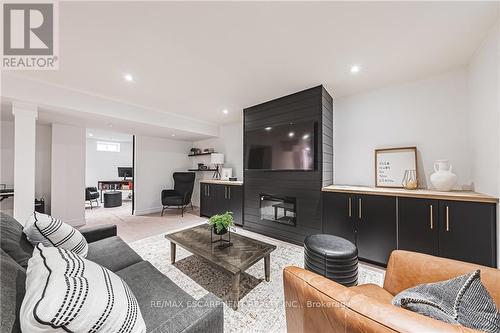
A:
(108, 146)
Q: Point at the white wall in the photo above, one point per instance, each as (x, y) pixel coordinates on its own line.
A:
(430, 114)
(156, 160)
(230, 143)
(484, 90)
(68, 173)
(42, 162)
(484, 114)
(7, 163)
(102, 165)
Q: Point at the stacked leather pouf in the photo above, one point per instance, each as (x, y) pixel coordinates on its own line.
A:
(332, 257)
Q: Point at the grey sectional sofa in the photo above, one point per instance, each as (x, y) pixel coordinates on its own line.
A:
(164, 306)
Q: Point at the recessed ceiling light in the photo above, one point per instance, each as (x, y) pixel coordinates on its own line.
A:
(305, 136)
(90, 134)
(128, 77)
(173, 134)
(268, 128)
(355, 69)
(225, 111)
(291, 134)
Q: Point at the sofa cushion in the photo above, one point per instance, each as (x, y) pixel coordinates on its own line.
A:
(67, 293)
(13, 241)
(462, 300)
(374, 291)
(51, 231)
(112, 253)
(12, 280)
(159, 298)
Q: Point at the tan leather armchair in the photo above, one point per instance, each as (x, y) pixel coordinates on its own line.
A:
(316, 304)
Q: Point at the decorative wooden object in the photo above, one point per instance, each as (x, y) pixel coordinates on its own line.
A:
(244, 253)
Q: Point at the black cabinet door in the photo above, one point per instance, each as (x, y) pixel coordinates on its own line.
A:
(205, 205)
(219, 200)
(467, 232)
(338, 210)
(235, 197)
(375, 217)
(418, 225)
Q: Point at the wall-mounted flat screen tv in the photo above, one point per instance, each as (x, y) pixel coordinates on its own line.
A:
(284, 147)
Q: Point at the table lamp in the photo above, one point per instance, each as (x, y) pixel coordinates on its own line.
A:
(218, 160)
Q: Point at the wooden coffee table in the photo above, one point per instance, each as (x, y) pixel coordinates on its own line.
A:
(235, 259)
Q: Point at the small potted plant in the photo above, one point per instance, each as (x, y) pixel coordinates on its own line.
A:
(221, 223)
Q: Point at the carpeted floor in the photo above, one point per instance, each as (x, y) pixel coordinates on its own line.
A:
(261, 306)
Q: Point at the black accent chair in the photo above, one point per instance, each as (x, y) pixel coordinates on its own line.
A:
(180, 196)
(91, 195)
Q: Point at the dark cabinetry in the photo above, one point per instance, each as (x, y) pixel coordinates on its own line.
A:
(418, 225)
(220, 198)
(337, 215)
(375, 227)
(369, 221)
(458, 230)
(377, 224)
(467, 232)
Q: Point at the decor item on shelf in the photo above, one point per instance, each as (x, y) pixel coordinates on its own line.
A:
(220, 225)
(201, 166)
(217, 159)
(443, 179)
(410, 181)
(209, 150)
(195, 151)
(233, 179)
(227, 173)
(391, 163)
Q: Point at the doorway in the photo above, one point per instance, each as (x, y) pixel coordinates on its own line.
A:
(109, 176)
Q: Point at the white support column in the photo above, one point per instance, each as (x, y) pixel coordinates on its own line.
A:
(25, 116)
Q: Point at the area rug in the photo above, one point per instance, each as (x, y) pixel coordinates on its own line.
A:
(261, 307)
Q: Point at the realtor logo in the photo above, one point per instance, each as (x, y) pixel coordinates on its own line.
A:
(30, 36)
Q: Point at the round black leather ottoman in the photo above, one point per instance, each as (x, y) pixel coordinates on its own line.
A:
(112, 199)
(333, 257)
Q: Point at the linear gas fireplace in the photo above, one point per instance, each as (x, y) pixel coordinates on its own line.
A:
(278, 209)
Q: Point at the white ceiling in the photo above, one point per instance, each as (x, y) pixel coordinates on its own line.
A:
(196, 59)
(100, 134)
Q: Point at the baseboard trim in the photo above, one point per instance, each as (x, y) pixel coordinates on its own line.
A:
(147, 211)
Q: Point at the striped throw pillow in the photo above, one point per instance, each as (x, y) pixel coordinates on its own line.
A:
(67, 293)
(50, 231)
(462, 300)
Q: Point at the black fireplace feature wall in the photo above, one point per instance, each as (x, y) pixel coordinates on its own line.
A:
(277, 209)
(313, 106)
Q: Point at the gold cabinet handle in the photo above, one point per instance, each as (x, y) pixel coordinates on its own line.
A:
(360, 209)
(350, 206)
(447, 218)
(432, 218)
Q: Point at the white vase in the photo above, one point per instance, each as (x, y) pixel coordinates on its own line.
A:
(443, 179)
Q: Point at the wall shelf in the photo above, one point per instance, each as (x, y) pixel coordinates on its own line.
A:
(202, 154)
(202, 170)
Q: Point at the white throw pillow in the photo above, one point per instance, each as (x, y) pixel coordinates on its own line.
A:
(50, 231)
(66, 293)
